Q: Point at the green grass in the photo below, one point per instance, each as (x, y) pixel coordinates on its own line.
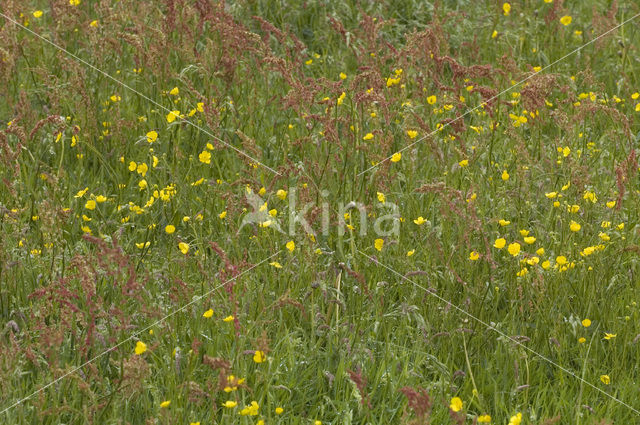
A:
(344, 336)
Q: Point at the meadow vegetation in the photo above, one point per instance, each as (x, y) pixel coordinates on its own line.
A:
(495, 144)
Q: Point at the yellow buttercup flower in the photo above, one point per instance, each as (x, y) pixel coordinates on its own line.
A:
(81, 193)
(566, 20)
(590, 196)
(207, 314)
(259, 356)
(171, 116)
(152, 136)
(514, 248)
(251, 410)
(205, 157)
(516, 420)
(456, 404)
(141, 347)
(291, 245)
(142, 169)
